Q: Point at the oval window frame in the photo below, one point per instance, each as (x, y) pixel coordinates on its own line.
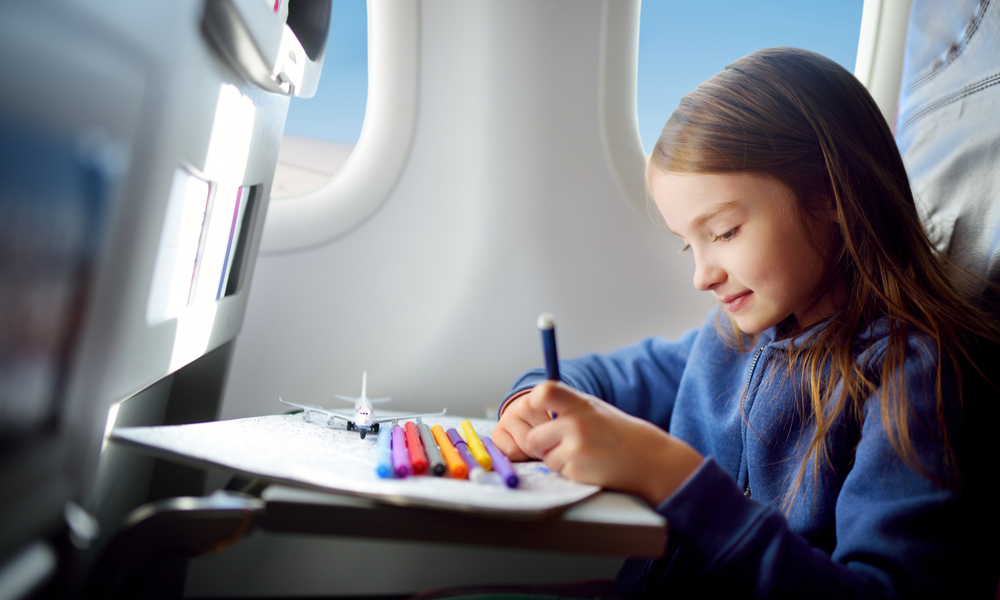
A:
(317, 217)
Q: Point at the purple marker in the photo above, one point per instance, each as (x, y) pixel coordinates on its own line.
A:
(400, 456)
(501, 464)
(476, 472)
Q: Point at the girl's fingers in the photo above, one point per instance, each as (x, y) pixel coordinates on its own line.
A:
(541, 440)
(552, 397)
(574, 411)
(517, 421)
(518, 431)
(557, 460)
(566, 455)
(522, 408)
(505, 441)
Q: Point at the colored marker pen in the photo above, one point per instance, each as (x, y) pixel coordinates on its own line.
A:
(418, 457)
(476, 446)
(476, 473)
(434, 458)
(383, 453)
(547, 325)
(501, 464)
(456, 466)
(400, 457)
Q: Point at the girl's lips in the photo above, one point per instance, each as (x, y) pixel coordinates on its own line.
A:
(736, 301)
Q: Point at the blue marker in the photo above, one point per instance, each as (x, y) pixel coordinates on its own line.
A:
(547, 325)
(384, 452)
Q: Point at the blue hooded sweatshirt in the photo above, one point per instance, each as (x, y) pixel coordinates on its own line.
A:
(868, 526)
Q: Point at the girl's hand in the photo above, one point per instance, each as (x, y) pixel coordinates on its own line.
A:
(594, 442)
(517, 420)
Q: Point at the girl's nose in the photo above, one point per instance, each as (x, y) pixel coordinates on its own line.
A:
(707, 274)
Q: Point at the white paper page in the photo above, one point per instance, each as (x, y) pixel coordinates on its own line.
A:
(286, 448)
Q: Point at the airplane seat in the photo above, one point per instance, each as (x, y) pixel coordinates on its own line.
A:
(949, 136)
(136, 161)
(948, 132)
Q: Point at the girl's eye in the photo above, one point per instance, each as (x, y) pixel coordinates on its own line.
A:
(725, 237)
(686, 248)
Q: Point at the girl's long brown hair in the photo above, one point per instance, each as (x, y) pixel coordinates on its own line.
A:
(805, 121)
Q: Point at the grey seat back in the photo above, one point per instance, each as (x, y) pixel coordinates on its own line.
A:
(948, 129)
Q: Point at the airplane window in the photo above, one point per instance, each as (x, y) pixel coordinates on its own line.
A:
(683, 43)
(320, 132)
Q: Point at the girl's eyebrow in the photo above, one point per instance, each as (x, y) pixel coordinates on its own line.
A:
(714, 211)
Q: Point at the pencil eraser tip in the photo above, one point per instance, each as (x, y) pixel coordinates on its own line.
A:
(546, 321)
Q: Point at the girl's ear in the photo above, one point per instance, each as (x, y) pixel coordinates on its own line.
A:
(824, 225)
(832, 215)
(826, 212)
(829, 213)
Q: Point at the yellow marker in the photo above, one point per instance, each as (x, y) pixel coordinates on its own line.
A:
(456, 466)
(476, 446)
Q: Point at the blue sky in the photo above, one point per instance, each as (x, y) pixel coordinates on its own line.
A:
(338, 108)
(681, 43)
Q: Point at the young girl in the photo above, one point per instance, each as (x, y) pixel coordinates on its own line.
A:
(810, 439)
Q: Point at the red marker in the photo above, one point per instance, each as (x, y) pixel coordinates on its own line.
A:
(417, 454)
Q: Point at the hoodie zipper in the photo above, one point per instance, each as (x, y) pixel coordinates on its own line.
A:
(746, 388)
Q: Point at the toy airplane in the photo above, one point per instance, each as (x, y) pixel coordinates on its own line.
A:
(363, 419)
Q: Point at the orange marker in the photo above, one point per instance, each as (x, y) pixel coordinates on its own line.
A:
(456, 466)
(418, 458)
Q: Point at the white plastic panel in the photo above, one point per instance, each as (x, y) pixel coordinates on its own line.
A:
(314, 218)
(881, 50)
(176, 259)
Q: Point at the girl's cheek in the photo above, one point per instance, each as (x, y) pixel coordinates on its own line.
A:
(760, 260)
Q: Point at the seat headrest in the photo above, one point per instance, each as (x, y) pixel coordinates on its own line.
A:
(948, 127)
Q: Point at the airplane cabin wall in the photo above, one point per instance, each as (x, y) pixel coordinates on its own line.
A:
(507, 206)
